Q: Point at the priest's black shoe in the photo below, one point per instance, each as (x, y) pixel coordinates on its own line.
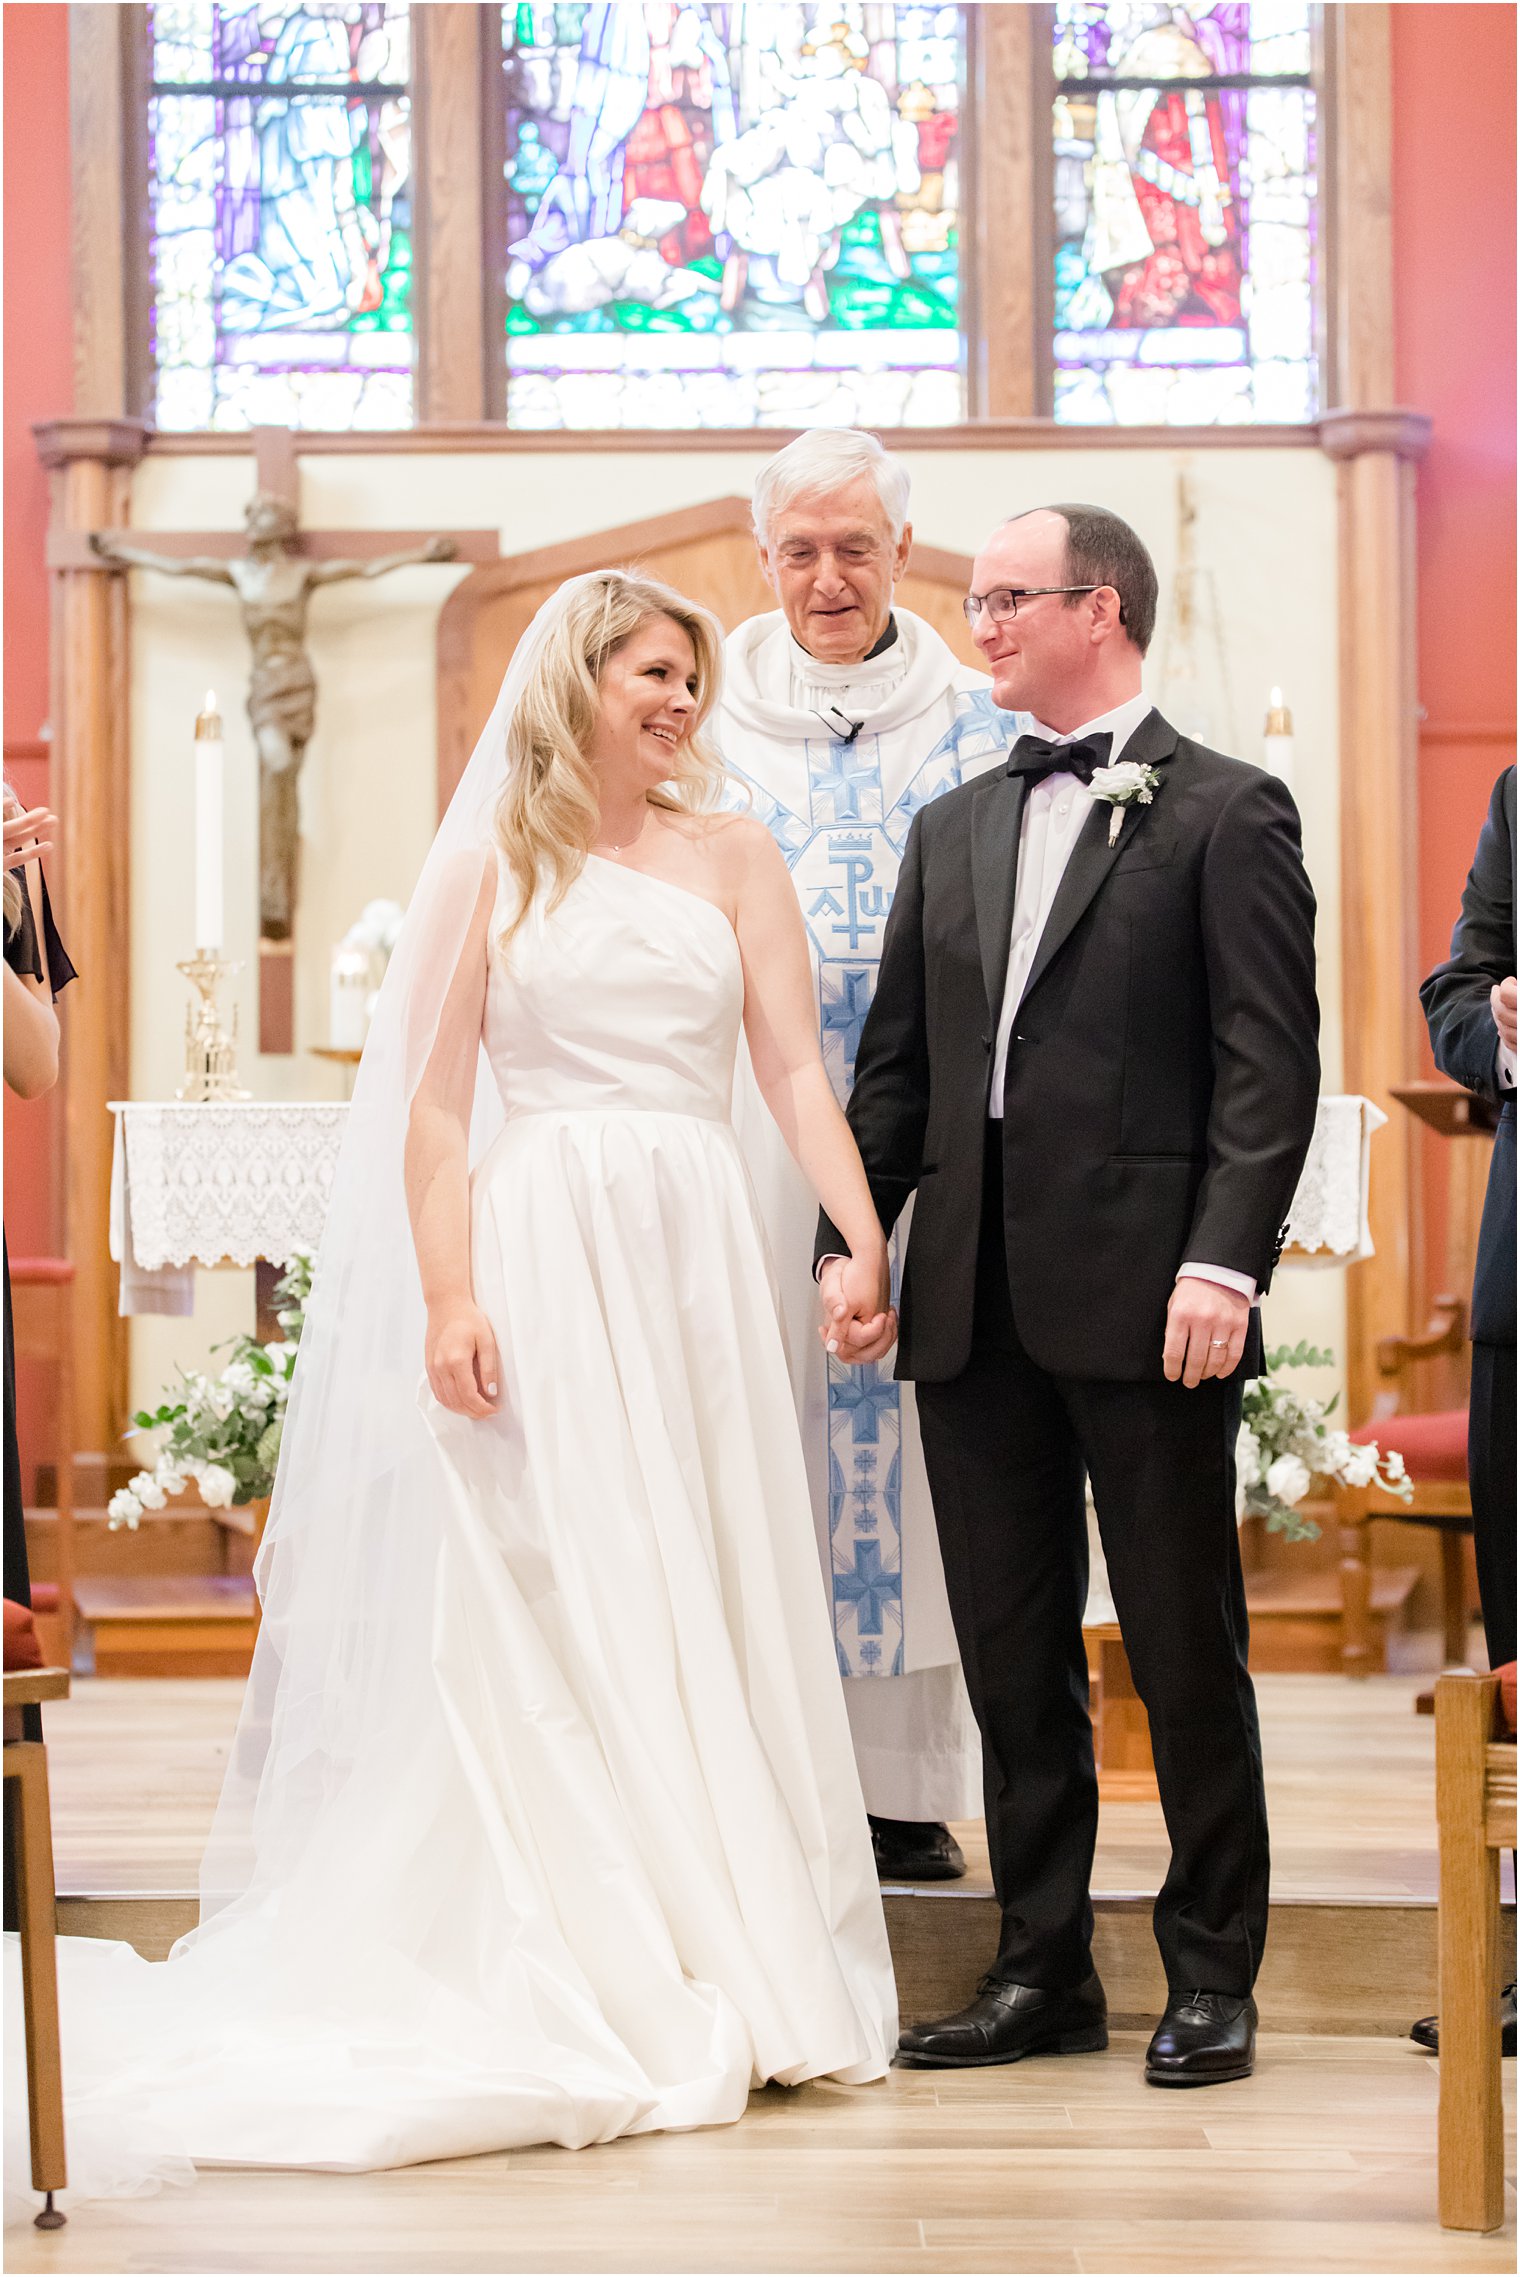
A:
(1007, 2021)
(913, 1850)
(1203, 2038)
(1427, 2033)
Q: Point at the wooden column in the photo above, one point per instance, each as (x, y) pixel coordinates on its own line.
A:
(1377, 454)
(449, 235)
(1377, 447)
(90, 462)
(1006, 228)
(103, 44)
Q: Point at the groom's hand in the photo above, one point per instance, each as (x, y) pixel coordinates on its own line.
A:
(1205, 1332)
(858, 1324)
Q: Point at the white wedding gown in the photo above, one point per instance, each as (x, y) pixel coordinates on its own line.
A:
(625, 1873)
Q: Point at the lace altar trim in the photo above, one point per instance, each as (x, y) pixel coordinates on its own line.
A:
(210, 1185)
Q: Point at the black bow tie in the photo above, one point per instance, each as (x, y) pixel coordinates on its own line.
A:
(1034, 758)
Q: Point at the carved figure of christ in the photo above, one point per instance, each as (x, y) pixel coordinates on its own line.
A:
(274, 578)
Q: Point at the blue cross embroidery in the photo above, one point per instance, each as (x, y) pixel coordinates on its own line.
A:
(865, 1397)
(845, 1006)
(869, 1589)
(838, 779)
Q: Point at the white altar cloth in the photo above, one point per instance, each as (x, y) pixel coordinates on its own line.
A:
(1327, 1224)
(233, 1182)
(223, 1183)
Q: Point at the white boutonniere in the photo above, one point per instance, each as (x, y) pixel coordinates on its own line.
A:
(1128, 783)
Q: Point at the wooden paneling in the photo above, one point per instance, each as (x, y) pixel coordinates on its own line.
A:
(90, 463)
(99, 80)
(1006, 238)
(976, 435)
(705, 551)
(449, 235)
(1359, 91)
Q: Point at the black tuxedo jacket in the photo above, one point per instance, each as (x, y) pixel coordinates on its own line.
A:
(1163, 1066)
(1464, 1040)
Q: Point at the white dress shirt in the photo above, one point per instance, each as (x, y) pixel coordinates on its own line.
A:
(1054, 812)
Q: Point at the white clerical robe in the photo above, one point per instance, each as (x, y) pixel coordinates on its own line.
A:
(839, 805)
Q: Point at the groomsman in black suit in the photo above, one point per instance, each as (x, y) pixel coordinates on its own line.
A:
(1469, 1005)
(1092, 1057)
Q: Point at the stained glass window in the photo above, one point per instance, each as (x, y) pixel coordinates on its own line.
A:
(1185, 184)
(732, 215)
(280, 205)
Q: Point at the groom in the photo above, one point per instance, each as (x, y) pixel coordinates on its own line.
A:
(1092, 1056)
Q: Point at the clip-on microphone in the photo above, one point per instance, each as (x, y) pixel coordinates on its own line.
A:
(848, 728)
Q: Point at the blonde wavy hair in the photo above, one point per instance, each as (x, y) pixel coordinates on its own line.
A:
(547, 815)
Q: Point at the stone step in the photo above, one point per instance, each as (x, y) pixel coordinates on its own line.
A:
(1359, 1966)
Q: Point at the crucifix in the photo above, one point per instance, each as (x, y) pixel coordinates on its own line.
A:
(274, 573)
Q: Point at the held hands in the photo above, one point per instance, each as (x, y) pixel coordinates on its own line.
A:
(859, 1323)
(1501, 998)
(1205, 1332)
(462, 1364)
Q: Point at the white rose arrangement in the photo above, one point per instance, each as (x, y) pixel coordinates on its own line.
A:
(223, 1432)
(1286, 1442)
(1128, 782)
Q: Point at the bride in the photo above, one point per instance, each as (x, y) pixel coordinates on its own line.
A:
(542, 1822)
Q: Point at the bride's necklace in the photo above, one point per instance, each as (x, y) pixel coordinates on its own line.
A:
(625, 845)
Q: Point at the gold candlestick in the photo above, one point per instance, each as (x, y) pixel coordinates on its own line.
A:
(210, 1053)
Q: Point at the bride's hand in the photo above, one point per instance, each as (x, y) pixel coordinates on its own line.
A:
(859, 1323)
(462, 1364)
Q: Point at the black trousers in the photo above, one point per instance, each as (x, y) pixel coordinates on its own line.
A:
(1006, 1447)
(1491, 1474)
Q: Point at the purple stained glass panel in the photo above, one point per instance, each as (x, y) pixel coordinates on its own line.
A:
(725, 215)
(1185, 195)
(280, 208)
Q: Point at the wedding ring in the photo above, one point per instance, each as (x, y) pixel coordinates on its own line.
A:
(1219, 1340)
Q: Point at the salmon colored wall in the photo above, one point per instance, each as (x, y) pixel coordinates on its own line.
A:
(1454, 299)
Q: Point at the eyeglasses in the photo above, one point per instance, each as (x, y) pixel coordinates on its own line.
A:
(1002, 603)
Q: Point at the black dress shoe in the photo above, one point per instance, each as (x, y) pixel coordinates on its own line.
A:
(914, 1850)
(1007, 2021)
(1427, 2033)
(1203, 2038)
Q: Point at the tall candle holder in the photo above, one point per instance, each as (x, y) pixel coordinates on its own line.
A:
(210, 1052)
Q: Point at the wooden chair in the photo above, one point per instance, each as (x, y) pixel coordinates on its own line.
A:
(1475, 1814)
(42, 1292)
(25, 1761)
(1434, 1448)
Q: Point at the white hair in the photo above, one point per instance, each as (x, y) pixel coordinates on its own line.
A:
(826, 458)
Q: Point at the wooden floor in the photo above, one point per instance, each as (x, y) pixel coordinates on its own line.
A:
(1323, 2162)
(136, 1765)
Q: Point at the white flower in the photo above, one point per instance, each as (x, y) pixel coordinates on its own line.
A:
(221, 1400)
(1359, 1468)
(1288, 1480)
(1247, 1459)
(171, 1477)
(1393, 1465)
(123, 1509)
(1127, 779)
(375, 928)
(217, 1486)
(147, 1490)
(279, 1354)
(260, 1392)
(238, 1378)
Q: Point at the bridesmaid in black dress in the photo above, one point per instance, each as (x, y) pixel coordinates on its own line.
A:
(37, 970)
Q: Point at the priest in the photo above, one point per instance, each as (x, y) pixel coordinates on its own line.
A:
(841, 716)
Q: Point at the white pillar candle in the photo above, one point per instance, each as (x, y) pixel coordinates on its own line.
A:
(208, 827)
(348, 1000)
(1277, 743)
